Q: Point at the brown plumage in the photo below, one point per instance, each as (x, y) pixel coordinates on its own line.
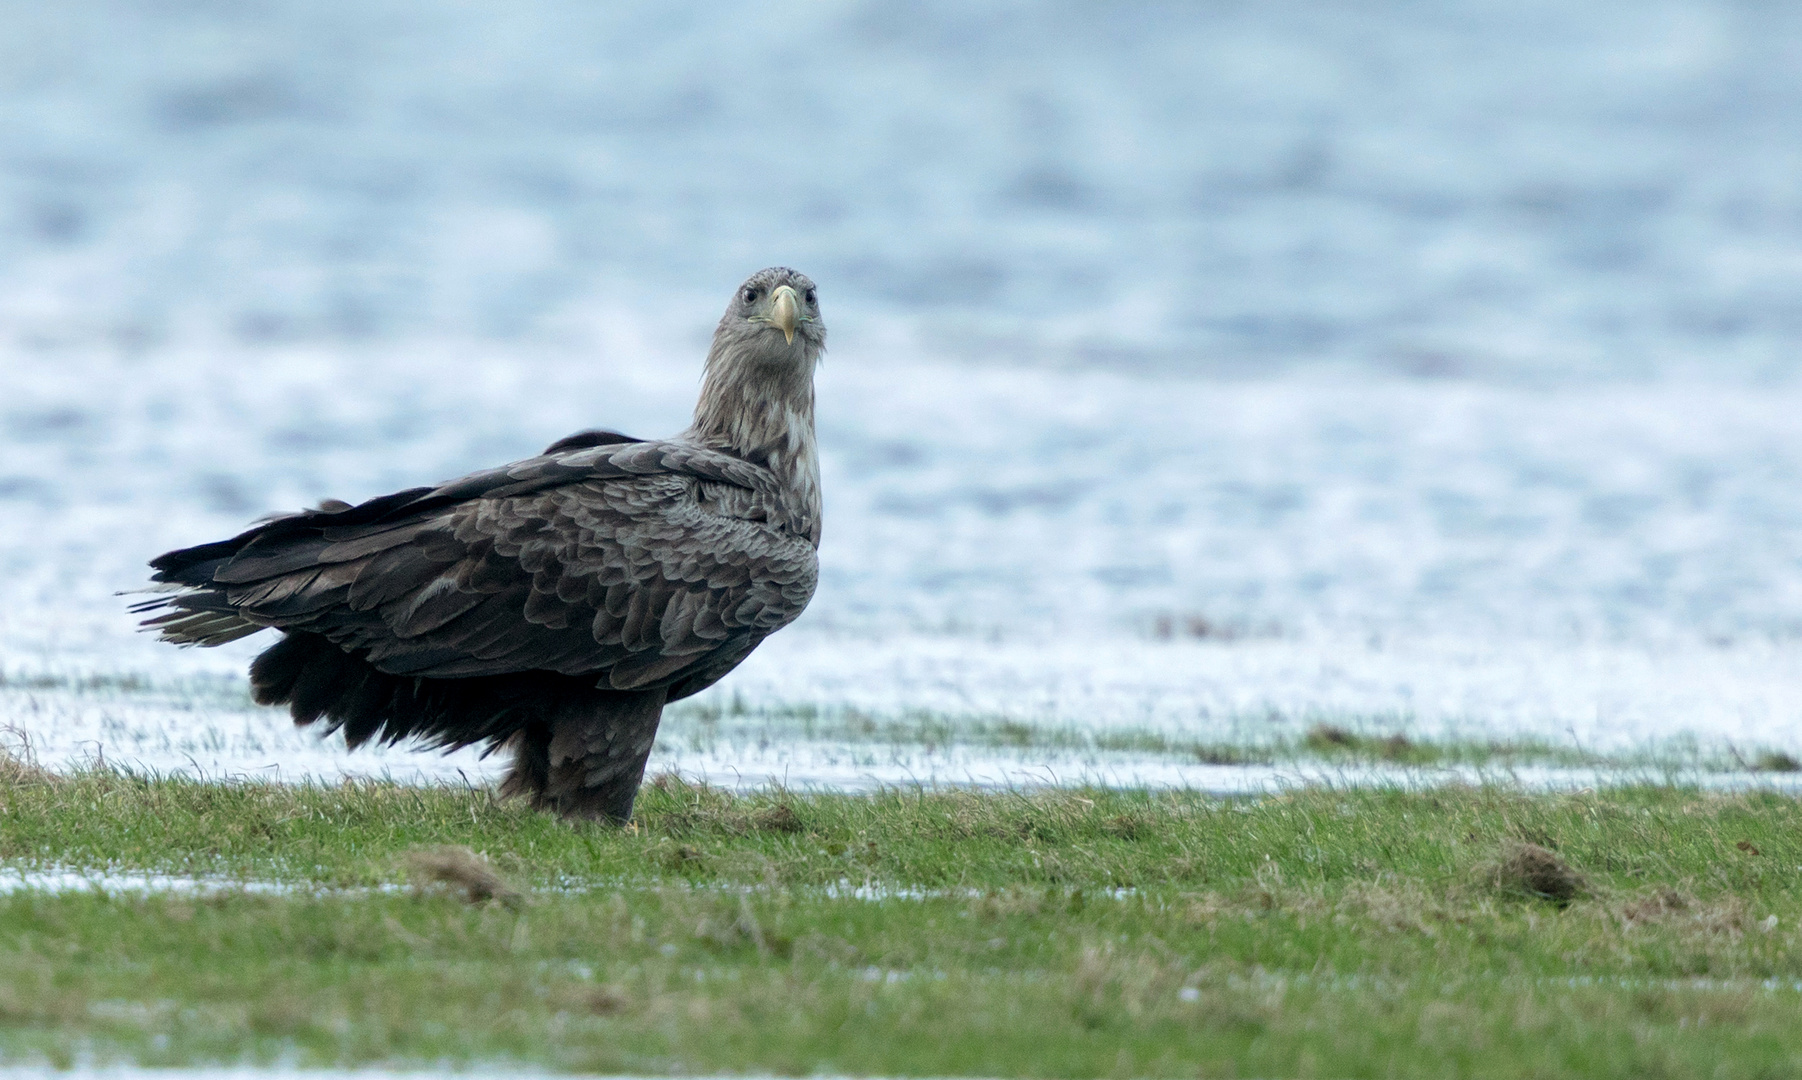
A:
(554, 605)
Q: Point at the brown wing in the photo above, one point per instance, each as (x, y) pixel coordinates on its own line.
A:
(645, 568)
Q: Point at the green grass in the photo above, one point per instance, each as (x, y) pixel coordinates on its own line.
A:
(1342, 933)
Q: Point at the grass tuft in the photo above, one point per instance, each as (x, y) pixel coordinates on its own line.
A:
(1659, 905)
(19, 766)
(1331, 740)
(1777, 761)
(1527, 869)
(780, 818)
(1322, 737)
(463, 871)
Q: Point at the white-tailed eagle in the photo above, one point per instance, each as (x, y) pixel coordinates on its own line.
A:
(552, 606)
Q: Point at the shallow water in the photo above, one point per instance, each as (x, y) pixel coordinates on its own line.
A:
(1474, 186)
(1600, 568)
(1200, 371)
(15, 879)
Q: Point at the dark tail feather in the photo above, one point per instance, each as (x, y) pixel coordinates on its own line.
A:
(198, 614)
(194, 566)
(365, 706)
(322, 683)
(319, 682)
(578, 749)
(276, 669)
(188, 577)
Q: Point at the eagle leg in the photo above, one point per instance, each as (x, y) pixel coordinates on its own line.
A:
(587, 761)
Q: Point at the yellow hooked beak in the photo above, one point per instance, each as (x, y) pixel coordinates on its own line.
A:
(785, 311)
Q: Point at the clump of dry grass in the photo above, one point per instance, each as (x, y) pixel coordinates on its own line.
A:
(18, 765)
(683, 857)
(17, 773)
(722, 932)
(1396, 907)
(1167, 627)
(704, 810)
(1330, 737)
(462, 870)
(1689, 919)
(1395, 747)
(780, 818)
(1658, 905)
(1126, 826)
(607, 1001)
(1525, 869)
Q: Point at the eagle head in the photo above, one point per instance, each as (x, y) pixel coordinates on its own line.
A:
(774, 317)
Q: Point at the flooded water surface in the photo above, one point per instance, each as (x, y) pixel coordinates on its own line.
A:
(1199, 370)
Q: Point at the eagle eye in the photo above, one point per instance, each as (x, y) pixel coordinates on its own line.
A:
(812, 297)
(750, 294)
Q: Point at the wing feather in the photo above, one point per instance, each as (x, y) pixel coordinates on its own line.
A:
(431, 608)
(639, 563)
(391, 575)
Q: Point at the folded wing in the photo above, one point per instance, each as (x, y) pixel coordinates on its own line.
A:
(642, 564)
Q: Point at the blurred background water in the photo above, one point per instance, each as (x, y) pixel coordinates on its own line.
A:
(1199, 366)
(1607, 189)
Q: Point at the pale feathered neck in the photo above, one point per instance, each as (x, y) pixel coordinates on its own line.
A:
(754, 409)
(761, 410)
